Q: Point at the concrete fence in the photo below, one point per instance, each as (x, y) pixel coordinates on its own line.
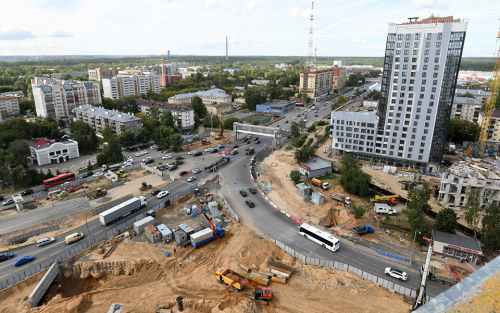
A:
(231, 212)
(32, 233)
(347, 267)
(112, 204)
(195, 138)
(152, 169)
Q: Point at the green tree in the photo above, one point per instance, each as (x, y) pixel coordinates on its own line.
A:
(255, 122)
(107, 133)
(295, 176)
(10, 167)
(253, 96)
(211, 121)
(167, 119)
(311, 128)
(295, 130)
(113, 153)
(340, 102)
(353, 179)
(357, 211)
(162, 136)
(302, 126)
(130, 105)
(472, 208)
(25, 105)
(154, 114)
(446, 221)
(415, 211)
(467, 95)
(462, 130)
(198, 107)
(20, 149)
(176, 142)
(376, 95)
(304, 154)
(490, 233)
(127, 139)
(228, 123)
(143, 136)
(85, 135)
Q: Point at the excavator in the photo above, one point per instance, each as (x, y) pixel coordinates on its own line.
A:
(220, 135)
(390, 200)
(261, 293)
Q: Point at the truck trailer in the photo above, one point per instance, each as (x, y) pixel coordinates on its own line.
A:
(122, 209)
(219, 162)
(206, 235)
(341, 198)
(440, 276)
(320, 183)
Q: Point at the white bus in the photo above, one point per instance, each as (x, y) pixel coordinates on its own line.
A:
(322, 238)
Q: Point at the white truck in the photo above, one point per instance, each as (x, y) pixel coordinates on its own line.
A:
(122, 209)
(381, 208)
(341, 198)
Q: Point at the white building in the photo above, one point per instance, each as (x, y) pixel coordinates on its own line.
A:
(58, 98)
(353, 132)
(466, 109)
(418, 84)
(183, 116)
(208, 97)
(45, 152)
(9, 106)
(129, 85)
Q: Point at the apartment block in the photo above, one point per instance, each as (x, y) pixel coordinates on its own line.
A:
(208, 97)
(58, 98)
(353, 132)
(98, 118)
(99, 73)
(129, 85)
(71, 74)
(339, 78)
(421, 63)
(9, 106)
(214, 109)
(169, 69)
(183, 116)
(316, 82)
(466, 109)
(479, 95)
(494, 128)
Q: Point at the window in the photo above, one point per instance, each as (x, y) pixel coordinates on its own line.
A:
(402, 94)
(426, 52)
(398, 52)
(413, 67)
(435, 82)
(396, 60)
(407, 44)
(396, 67)
(409, 156)
(426, 131)
(412, 81)
(426, 124)
(436, 60)
(406, 59)
(431, 103)
(398, 45)
(415, 52)
(395, 81)
(422, 144)
(421, 96)
(438, 52)
(438, 44)
(412, 143)
(412, 137)
(396, 73)
(413, 74)
(415, 45)
(429, 37)
(420, 157)
(436, 67)
(407, 52)
(395, 87)
(410, 149)
(403, 81)
(429, 111)
(461, 254)
(393, 101)
(415, 123)
(402, 87)
(435, 75)
(414, 60)
(424, 137)
(403, 74)
(400, 37)
(417, 36)
(440, 36)
(426, 59)
(422, 89)
(417, 117)
(433, 89)
(425, 67)
(408, 36)
(405, 66)
(428, 118)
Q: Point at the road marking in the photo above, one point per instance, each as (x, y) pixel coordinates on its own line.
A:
(362, 259)
(347, 253)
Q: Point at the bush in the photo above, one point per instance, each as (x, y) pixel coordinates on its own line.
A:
(299, 143)
(311, 128)
(322, 123)
(309, 142)
(255, 122)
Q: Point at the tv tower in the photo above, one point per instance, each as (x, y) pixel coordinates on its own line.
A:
(226, 48)
(310, 57)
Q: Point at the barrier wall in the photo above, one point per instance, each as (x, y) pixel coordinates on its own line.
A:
(231, 212)
(112, 204)
(44, 284)
(32, 233)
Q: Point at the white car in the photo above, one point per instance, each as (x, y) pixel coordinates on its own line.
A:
(153, 147)
(293, 118)
(145, 152)
(190, 179)
(162, 194)
(191, 152)
(166, 157)
(196, 171)
(396, 273)
(97, 174)
(137, 154)
(208, 150)
(144, 160)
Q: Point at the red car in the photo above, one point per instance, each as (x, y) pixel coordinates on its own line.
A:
(247, 142)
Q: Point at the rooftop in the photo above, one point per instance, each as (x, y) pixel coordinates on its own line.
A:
(456, 240)
(216, 92)
(162, 105)
(277, 103)
(475, 92)
(316, 163)
(465, 100)
(104, 113)
(51, 143)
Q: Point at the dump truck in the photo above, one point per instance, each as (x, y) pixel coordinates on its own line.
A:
(382, 208)
(227, 276)
(110, 166)
(440, 276)
(360, 230)
(205, 142)
(250, 150)
(122, 209)
(261, 293)
(145, 186)
(219, 162)
(319, 183)
(341, 198)
(206, 235)
(390, 200)
(98, 193)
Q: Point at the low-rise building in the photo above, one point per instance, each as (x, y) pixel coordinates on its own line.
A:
(466, 109)
(494, 134)
(45, 151)
(276, 106)
(479, 95)
(99, 73)
(71, 74)
(9, 106)
(207, 97)
(214, 109)
(260, 81)
(315, 167)
(457, 247)
(98, 118)
(152, 233)
(183, 115)
(231, 69)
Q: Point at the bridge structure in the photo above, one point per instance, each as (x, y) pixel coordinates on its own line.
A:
(242, 130)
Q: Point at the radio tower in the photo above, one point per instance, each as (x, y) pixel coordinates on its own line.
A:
(310, 58)
(226, 48)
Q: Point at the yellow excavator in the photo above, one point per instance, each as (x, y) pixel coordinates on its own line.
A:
(220, 135)
(99, 193)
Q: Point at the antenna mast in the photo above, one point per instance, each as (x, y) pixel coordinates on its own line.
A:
(310, 58)
(226, 48)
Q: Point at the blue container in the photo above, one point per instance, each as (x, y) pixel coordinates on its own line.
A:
(196, 191)
(166, 253)
(193, 214)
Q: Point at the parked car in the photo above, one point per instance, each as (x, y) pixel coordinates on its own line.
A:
(252, 190)
(172, 168)
(191, 152)
(243, 193)
(45, 241)
(179, 158)
(149, 161)
(258, 141)
(145, 159)
(249, 136)
(208, 149)
(247, 142)
(182, 173)
(256, 138)
(97, 174)
(166, 157)
(27, 192)
(8, 202)
(162, 194)
(250, 203)
(234, 146)
(196, 171)
(155, 192)
(398, 274)
(153, 147)
(214, 150)
(6, 256)
(2, 198)
(198, 153)
(192, 178)
(166, 151)
(160, 168)
(23, 260)
(234, 152)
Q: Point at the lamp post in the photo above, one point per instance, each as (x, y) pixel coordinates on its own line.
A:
(414, 237)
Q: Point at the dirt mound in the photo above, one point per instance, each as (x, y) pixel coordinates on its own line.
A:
(335, 216)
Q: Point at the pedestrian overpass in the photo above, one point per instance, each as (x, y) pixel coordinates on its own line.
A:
(242, 130)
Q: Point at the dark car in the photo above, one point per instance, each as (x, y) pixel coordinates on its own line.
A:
(247, 142)
(2, 198)
(234, 152)
(243, 193)
(27, 192)
(6, 256)
(44, 189)
(235, 146)
(160, 168)
(179, 158)
(183, 173)
(258, 141)
(159, 149)
(214, 150)
(252, 190)
(149, 161)
(179, 162)
(316, 115)
(173, 168)
(197, 153)
(286, 121)
(155, 192)
(250, 203)
(256, 138)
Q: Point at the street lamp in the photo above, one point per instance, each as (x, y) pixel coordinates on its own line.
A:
(414, 237)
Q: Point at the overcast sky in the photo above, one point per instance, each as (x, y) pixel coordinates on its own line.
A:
(199, 27)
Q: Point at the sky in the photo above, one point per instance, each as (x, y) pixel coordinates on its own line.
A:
(253, 27)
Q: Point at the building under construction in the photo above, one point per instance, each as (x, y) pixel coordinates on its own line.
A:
(483, 174)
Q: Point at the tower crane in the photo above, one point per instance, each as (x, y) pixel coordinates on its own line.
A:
(220, 135)
(162, 70)
(490, 106)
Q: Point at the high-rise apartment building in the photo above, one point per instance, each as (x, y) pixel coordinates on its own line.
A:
(169, 69)
(316, 82)
(58, 98)
(9, 106)
(339, 77)
(128, 85)
(421, 65)
(99, 73)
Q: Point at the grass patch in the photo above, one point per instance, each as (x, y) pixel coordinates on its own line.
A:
(328, 176)
(288, 148)
(194, 131)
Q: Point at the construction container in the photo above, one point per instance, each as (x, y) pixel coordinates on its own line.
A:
(279, 280)
(201, 235)
(188, 230)
(195, 209)
(317, 198)
(152, 233)
(179, 236)
(268, 274)
(140, 225)
(213, 206)
(246, 268)
(166, 234)
(304, 189)
(217, 222)
(280, 271)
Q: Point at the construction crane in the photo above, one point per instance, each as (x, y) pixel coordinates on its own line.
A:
(261, 293)
(490, 106)
(220, 135)
(162, 70)
(421, 296)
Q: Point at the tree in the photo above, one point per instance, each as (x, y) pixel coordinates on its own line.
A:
(210, 120)
(198, 107)
(25, 105)
(113, 154)
(302, 126)
(20, 150)
(462, 130)
(446, 221)
(129, 104)
(85, 135)
(228, 123)
(472, 208)
(340, 101)
(353, 179)
(167, 119)
(295, 129)
(467, 95)
(107, 133)
(376, 95)
(127, 139)
(415, 211)
(295, 176)
(176, 142)
(311, 128)
(10, 167)
(357, 211)
(490, 233)
(143, 136)
(253, 97)
(304, 154)
(255, 122)
(154, 114)
(162, 136)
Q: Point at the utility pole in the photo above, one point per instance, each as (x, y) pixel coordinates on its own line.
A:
(414, 237)
(310, 200)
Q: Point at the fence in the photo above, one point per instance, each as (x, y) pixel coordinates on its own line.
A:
(104, 208)
(195, 138)
(32, 233)
(347, 267)
(152, 169)
(166, 177)
(72, 183)
(233, 214)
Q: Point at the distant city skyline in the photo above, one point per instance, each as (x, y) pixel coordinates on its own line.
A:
(253, 28)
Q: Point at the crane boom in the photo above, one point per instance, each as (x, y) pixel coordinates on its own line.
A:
(421, 294)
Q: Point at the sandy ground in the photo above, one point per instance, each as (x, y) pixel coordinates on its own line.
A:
(142, 277)
(198, 146)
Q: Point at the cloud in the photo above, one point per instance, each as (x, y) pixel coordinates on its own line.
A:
(355, 40)
(429, 4)
(210, 3)
(16, 34)
(251, 4)
(59, 33)
(305, 13)
(292, 12)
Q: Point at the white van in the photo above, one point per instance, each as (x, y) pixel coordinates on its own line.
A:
(45, 241)
(73, 238)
